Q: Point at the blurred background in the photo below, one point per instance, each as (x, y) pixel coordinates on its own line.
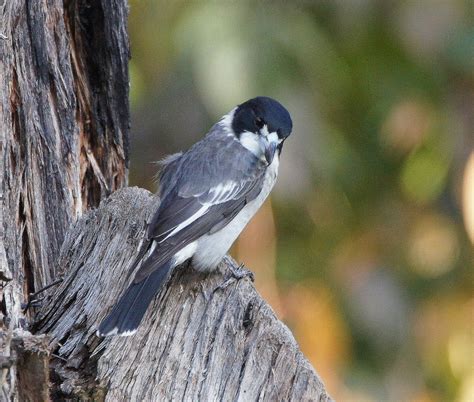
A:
(365, 248)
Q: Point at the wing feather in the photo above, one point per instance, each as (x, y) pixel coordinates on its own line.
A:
(202, 191)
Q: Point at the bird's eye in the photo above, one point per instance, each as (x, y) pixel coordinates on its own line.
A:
(259, 122)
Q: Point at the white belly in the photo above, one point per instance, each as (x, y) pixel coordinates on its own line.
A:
(212, 248)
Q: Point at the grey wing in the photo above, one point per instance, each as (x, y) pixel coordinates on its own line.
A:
(166, 178)
(210, 184)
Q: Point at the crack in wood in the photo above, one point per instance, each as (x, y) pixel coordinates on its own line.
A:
(44, 186)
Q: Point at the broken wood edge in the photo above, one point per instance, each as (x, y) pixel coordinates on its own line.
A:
(29, 354)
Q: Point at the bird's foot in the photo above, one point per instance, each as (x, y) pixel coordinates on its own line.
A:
(237, 273)
(241, 272)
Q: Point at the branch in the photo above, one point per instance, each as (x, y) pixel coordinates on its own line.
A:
(197, 341)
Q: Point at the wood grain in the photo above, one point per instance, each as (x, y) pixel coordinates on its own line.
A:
(206, 337)
(64, 123)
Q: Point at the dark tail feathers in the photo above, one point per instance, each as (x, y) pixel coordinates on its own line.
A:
(128, 312)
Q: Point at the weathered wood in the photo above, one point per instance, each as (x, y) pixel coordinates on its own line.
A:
(64, 124)
(205, 337)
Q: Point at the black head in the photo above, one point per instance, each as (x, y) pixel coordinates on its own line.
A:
(254, 114)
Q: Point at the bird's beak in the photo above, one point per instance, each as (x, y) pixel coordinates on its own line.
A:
(269, 148)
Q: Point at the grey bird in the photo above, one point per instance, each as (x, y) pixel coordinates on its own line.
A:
(208, 194)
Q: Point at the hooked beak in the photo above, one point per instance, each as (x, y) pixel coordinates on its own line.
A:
(269, 148)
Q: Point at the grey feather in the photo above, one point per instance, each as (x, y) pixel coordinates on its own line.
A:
(165, 174)
(186, 185)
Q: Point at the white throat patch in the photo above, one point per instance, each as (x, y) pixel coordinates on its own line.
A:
(253, 142)
(250, 141)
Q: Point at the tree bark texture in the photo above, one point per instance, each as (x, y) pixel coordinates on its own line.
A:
(206, 337)
(64, 122)
(64, 125)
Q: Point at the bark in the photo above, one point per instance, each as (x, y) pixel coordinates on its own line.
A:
(205, 337)
(63, 144)
(64, 124)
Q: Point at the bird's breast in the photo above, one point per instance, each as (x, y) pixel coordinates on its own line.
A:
(212, 248)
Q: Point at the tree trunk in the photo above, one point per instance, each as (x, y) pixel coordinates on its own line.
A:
(64, 123)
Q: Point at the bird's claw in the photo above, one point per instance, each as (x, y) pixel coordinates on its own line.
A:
(241, 272)
(224, 284)
(237, 273)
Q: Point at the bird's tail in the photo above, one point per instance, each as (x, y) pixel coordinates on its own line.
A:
(128, 312)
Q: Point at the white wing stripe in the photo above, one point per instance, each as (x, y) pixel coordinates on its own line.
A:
(188, 221)
(223, 192)
(218, 194)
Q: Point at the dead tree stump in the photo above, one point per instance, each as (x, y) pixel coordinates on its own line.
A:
(206, 337)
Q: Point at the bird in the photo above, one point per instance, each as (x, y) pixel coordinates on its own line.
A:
(207, 195)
